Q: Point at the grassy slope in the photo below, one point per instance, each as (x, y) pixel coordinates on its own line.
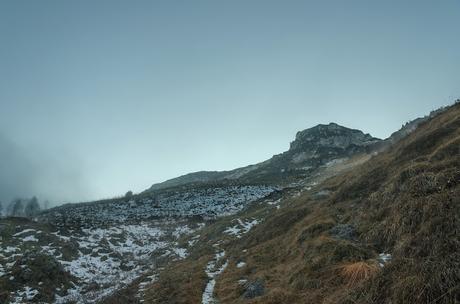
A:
(405, 201)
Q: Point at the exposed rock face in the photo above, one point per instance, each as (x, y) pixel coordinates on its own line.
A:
(319, 146)
(343, 232)
(408, 128)
(331, 136)
(254, 289)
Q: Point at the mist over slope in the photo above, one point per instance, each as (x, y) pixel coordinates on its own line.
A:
(17, 173)
(27, 172)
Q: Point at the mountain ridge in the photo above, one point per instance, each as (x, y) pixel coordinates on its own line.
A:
(308, 149)
(369, 143)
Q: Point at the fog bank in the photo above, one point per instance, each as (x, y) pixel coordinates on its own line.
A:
(28, 171)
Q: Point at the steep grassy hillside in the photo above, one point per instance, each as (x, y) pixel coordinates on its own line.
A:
(387, 231)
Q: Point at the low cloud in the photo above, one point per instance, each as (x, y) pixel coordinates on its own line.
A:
(27, 172)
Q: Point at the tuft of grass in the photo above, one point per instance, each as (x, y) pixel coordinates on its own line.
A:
(358, 272)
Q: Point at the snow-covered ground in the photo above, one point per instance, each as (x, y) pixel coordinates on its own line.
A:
(241, 227)
(106, 260)
(2, 271)
(27, 294)
(384, 258)
(24, 232)
(107, 246)
(213, 270)
(274, 203)
(207, 203)
(131, 246)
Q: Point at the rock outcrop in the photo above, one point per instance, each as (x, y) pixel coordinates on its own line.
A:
(311, 149)
(332, 136)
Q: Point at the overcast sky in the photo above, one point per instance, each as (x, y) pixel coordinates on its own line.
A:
(101, 97)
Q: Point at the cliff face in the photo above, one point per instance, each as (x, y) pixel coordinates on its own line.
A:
(318, 145)
(331, 136)
(311, 150)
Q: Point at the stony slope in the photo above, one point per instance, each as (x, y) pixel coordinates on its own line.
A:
(49, 264)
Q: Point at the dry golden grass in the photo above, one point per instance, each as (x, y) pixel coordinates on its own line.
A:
(358, 272)
(405, 201)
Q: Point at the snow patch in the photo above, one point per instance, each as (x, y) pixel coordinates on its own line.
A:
(213, 271)
(10, 249)
(27, 294)
(30, 238)
(384, 258)
(241, 228)
(180, 252)
(25, 231)
(114, 257)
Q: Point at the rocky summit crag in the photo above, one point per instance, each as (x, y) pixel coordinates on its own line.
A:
(333, 137)
(321, 144)
(311, 149)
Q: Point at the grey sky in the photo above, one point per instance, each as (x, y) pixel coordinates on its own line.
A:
(109, 96)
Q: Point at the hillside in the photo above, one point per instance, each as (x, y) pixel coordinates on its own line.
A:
(341, 217)
(96, 249)
(386, 231)
(311, 149)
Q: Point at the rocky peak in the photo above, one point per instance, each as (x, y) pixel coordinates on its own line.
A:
(330, 136)
(311, 149)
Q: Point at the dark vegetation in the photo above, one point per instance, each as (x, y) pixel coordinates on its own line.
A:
(22, 208)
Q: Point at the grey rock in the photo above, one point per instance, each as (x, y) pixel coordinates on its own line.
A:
(254, 289)
(332, 136)
(343, 232)
(322, 194)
